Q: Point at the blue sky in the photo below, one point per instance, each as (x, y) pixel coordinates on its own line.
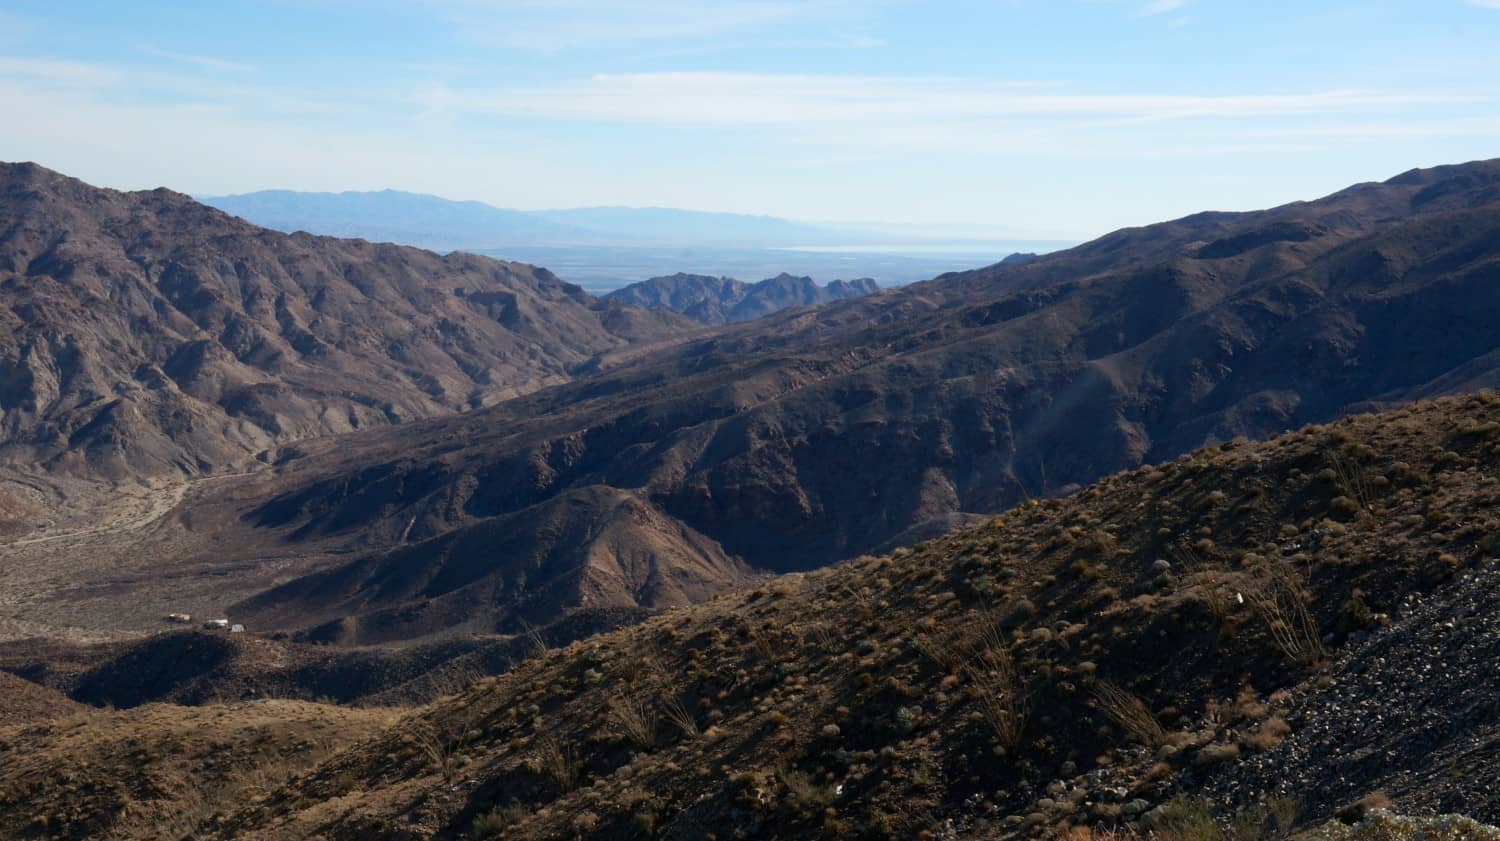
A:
(1063, 118)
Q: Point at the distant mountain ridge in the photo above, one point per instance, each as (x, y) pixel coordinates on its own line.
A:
(724, 300)
(395, 216)
(428, 221)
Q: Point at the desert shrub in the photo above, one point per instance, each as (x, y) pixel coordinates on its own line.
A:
(1351, 477)
(1018, 613)
(493, 823)
(1267, 735)
(556, 762)
(803, 795)
(1131, 714)
(1344, 506)
(1279, 599)
(1188, 819)
(999, 696)
(681, 717)
(443, 740)
(634, 716)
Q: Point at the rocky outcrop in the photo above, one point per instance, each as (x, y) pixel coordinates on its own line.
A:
(724, 300)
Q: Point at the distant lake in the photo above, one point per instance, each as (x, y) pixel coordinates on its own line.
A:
(600, 269)
(1004, 249)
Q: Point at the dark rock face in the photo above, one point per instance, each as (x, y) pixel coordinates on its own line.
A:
(724, 300)
(145, 334)
(811, 436)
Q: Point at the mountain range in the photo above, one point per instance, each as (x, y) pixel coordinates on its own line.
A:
(688, 463)
(724, 300)
(807, 437)
(520, 562)
(148, 334)
(432, 222)
(1332, 648)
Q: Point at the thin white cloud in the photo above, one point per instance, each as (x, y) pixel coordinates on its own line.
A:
(112, 81)
(58, 72)
(1485, 4)
(1161, 7)
(203, 62)
(551, 25)
(211, 149)
(755, 99)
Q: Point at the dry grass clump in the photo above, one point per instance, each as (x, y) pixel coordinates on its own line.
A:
(494, 822)
(1266, 735)
(1000, 697)
(1131, 714)
(1278, 596)
(682, 718)
(636, 718)
(557, 761)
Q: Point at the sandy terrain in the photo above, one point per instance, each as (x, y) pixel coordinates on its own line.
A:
(91, 566)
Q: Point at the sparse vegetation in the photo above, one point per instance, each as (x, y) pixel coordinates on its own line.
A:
(1131, 714)
(979, 678)
(1279, 598)
(1000, 697)
(636, 718)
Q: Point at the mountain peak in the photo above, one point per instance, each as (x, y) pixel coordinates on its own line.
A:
(725, 300)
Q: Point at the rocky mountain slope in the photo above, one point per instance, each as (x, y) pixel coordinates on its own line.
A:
(146, 334)
(812, 436)
(724, 300)
(1010, 676)
(1328, 587)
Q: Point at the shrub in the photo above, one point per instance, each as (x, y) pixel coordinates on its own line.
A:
(1000, 696)
(635, 718)
(1268, 735)
(494, 822)
(803, 795)
(556, 762)
(1188, 819)
(1279, 599)
(1131, 714)
(682, 718)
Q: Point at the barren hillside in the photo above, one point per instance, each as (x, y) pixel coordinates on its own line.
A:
(1273, 631)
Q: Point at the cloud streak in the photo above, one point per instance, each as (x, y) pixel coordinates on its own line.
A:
(203, 62)
(554, 25)
(719, 99)
(1161, 7)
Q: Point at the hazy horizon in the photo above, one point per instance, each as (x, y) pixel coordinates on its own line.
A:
(1040, 120)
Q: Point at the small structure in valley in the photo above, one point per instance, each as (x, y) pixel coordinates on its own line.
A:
(216, 625)
(178, 618)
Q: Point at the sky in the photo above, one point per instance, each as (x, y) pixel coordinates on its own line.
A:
(1029, 118)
